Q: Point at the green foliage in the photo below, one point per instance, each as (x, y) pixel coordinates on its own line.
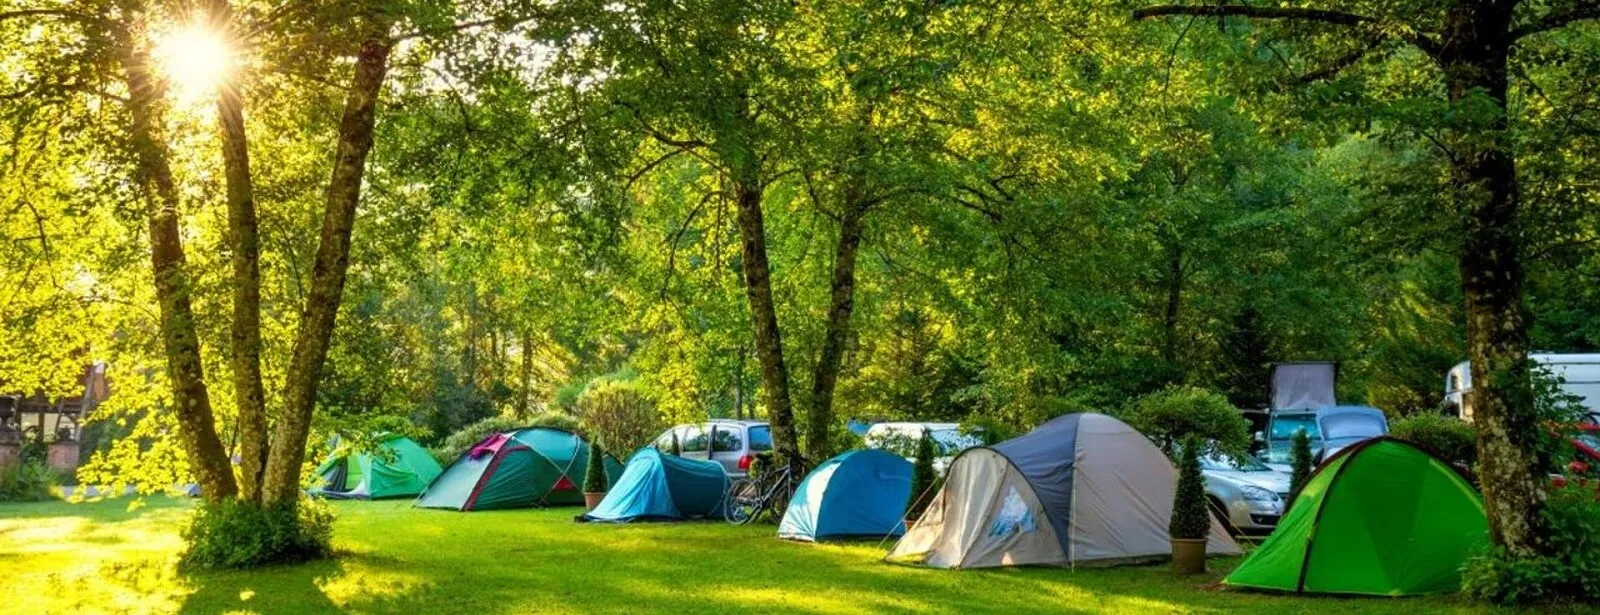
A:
(1448, 437)
(620, 414)
(594, 476)
(989, 430)
(1190, 518)
(1299, 464)
(236, 534)
(1174, 414)
(924, 477)
(1568, 571)
(30, 481)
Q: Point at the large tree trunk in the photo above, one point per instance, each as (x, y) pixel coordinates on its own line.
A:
(190, 399)
(841, 304)
(764, 317)
(328, 274)
(249, 396)
(1474, 58)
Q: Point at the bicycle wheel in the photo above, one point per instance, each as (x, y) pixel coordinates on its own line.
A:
(744, 502)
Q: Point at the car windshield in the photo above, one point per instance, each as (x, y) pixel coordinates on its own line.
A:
(1344, 426)
(1284, 427)
(1228, 464)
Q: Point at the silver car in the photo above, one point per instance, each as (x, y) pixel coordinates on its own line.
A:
(1248, 494)
(734, 444)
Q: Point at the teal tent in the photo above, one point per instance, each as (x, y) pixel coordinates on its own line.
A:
(659, 487)
(536, 466)
(856, 494)
(398, 467)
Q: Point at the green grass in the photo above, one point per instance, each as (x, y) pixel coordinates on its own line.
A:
(107, 557)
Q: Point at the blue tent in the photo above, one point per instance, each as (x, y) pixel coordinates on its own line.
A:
(859, 493)
(657, 487)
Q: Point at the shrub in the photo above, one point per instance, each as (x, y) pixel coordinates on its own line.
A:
(458, 442)
(1569, 570)
(594, 476)
(1170, 415)
(923, 475)
(1299, 465)
(1450, 438)
(619, 414)
(989, 430)
(236, 534)
(29, 481)
(1190, 519)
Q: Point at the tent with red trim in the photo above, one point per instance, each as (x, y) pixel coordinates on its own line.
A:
(536, 466)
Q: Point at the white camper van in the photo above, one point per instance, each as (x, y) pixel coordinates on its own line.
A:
(1580, 371)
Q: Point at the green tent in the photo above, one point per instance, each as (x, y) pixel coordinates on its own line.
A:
(1382, 517)
(536, 466)
(398, 468)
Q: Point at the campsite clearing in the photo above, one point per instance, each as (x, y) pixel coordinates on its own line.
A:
(104, 557)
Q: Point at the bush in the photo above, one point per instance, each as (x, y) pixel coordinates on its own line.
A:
(459, 442)
(619, 414)
(29, 481)
(1172, 414)
(1569, 571)
(923, 475)
(236, 534)
(1299, 465)
(1190, 519)
(594, 476)
(1450, 438)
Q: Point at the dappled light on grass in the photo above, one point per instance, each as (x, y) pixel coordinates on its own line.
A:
(396, 559)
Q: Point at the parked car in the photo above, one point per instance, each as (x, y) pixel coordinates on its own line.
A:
(1247, 493)
(734, 444)
(1331, 428)
(901, 439)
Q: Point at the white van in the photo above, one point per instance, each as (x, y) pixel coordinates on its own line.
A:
(1581, 372)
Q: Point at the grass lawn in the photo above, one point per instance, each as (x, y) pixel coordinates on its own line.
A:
(109, 557)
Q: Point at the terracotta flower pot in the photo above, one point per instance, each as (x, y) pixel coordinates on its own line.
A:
(591, 500)
(1188, 556)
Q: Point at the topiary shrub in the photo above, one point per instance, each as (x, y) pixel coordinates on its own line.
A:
(923, 475)
(620, 414)
(594, 476)
(1190, 519)
(236, 534)
(1450, 438)
(1569, 571)
(1299, 465)
(1172, 414)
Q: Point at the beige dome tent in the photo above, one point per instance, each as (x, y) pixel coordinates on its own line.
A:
(1082, 489)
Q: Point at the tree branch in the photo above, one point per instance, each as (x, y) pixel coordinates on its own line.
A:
(1257, 12)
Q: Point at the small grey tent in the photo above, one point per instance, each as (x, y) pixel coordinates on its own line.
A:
(1082, 489)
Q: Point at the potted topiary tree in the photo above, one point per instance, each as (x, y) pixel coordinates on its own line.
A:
(923, 477)
(1191, 522)
(594, 477)
(1299, 466)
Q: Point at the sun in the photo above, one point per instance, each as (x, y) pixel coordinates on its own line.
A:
(196, 60)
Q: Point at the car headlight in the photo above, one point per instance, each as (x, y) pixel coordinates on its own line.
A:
(1257, 494)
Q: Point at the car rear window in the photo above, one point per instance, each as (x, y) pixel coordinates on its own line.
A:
(694, 439)
(760, 438)
(726, 439)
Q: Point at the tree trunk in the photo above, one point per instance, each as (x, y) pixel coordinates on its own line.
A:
(840, 305)
(249, 397)
(1474, 58)
(525, 405)
(190, 399)
(1169, 320)
(764, 317)
(328, 274)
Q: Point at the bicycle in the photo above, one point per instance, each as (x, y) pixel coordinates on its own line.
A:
(766, 495)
